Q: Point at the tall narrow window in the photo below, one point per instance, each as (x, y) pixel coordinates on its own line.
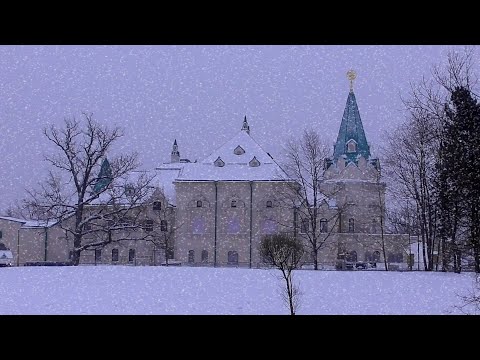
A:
(232, 258)
(163, 225)
(305, 226)
(1, 234)
(374, 226)
(323, 226)
(98, 255)
(131, 255)
(198, 226)
(191, 256)
(114, 255)
(234, 225)
(204, 256)
(148, 225)
(199, 203)
(234, 203)
(269, 226)
(157, 205)
(269, 204)
(351, 225)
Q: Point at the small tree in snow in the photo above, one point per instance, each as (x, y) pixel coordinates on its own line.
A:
(285, 253)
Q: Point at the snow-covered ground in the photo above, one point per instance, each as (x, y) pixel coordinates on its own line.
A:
(184, 290)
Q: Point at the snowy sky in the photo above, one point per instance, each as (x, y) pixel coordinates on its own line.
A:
(196, 94)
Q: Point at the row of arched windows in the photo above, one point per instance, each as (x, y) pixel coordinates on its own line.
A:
(232, 257)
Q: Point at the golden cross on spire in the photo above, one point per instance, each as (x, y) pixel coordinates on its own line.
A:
(351, 75)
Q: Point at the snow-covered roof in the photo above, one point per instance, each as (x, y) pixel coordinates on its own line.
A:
(9, 218)
(166, 174)
(31, 223)
(236, 155)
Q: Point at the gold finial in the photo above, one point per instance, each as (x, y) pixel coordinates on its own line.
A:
(351, 75)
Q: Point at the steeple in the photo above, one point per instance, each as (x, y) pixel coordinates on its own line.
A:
(351, 140)
(104, 177)
(245, 126)
(175, 155)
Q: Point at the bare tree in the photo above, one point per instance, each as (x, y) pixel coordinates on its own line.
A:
(93, 199)
(305, 164)
(285, 253)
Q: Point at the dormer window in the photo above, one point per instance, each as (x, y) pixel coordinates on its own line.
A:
(219, 162)
(351, 146)
(157, 205)
(234, 203)
(254, 162)
(199, 203)
(239, 150)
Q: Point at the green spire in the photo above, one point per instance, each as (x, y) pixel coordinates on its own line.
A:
(104, 177)
(351, 140)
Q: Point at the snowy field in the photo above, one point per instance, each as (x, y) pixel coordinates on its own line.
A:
(184, 290)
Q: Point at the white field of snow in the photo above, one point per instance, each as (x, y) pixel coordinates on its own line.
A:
(188, 290)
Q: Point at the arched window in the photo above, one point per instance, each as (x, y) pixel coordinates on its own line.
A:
(351, 146)
(3, 247)
(114, 255)
(232, 258)
(198, 225)
(191, 256)
(376, 256)
(269, 204)
(199, 203)
(352, 256)
(157, 205)
(233, 204)
(204, 256)
(323, 226)
(131, 255)
(351, 225)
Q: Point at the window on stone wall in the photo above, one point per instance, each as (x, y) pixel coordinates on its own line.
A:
(395, 257)
(157, 205)
(131, 255)
(70, 255)
(351, 225)
(269, 226)
(376, 256)
(149, 225)
(198, 225)
(191, 256)
(352, 256)
(269, 204)
(204, 256)
(234, 226)
(323, 225)
(1, 234)
(305, 226)
(163, 225)
(114, 255)
(232, 258)
(374, 226)
(233, 204)
(98, 255)
(199, 203)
